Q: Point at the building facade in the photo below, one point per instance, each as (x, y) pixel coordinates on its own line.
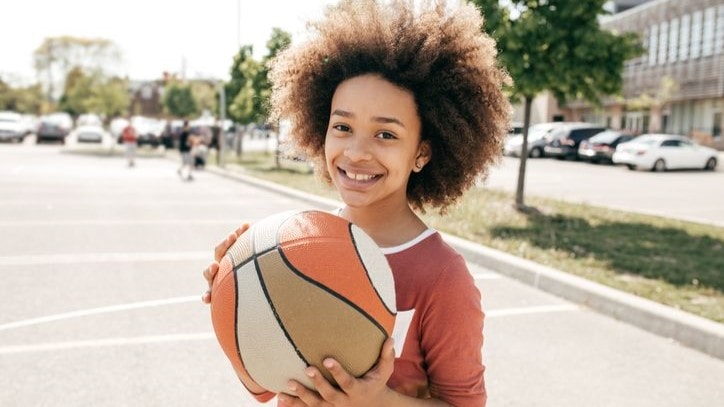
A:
(677, 85)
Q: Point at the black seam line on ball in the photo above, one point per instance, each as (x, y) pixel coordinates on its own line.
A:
(367, 273)
(252, 257)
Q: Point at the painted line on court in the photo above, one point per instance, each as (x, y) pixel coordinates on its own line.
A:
(99, 343)
(100, 310)
(113, 222)
(141, 340)
(55, 259)
(506, 312)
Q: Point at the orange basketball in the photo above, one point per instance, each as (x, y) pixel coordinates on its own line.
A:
(296, 288)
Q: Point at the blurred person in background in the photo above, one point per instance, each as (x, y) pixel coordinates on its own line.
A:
(185, 144)
(130, 140)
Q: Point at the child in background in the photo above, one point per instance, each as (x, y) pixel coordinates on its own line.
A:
(402, 111)
(130, 140)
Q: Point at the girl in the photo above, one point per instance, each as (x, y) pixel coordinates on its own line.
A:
(402, 111)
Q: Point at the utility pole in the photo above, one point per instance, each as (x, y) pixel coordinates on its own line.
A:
(222, 118)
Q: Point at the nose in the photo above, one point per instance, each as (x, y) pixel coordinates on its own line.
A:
(357, 149)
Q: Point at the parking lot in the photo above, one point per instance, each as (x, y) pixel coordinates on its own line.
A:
(101, 268)
(686, 194)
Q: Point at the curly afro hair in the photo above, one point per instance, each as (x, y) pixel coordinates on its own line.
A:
(442, 56)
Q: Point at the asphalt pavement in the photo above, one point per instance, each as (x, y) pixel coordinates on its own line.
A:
(101, 268)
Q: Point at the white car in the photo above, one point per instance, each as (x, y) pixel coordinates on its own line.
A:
(89, 119)
(12, 126)
(89, 135)
(537, 139)
(661, 152)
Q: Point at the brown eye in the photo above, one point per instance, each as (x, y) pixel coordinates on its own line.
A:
(386, 135)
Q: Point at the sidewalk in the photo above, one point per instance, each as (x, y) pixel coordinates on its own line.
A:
(690, 330)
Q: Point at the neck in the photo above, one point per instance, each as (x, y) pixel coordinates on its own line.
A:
(387, 227)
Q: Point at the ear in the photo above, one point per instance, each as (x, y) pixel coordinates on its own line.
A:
(424, 154)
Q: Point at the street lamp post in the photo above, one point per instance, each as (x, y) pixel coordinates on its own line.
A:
(222, 118)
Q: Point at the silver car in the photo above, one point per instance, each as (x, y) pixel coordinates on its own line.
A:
(12, 127)
(537, 139)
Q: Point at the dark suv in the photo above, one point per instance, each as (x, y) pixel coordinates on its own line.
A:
(564, 141)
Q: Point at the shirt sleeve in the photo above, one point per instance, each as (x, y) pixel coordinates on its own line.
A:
(452, 338)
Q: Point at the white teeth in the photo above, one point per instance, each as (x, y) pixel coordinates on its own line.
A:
(359, 177)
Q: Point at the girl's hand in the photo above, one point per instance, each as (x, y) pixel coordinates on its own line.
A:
(219, 252)
(369, 390)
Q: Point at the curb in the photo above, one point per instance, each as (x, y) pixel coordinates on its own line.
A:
(688, 329)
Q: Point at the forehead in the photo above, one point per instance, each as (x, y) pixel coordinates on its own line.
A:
(371, 94)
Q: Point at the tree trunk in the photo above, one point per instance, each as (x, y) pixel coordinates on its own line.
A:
(239, 142)
(519, 192)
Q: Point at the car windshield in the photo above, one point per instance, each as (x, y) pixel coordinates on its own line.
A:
(648, 141)
(606, 137)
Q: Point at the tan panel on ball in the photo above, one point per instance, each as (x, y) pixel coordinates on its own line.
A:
(266, 353)
(320, 324)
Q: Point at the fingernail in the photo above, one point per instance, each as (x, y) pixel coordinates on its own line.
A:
(292, 386)
(328, 363)
(309, 372)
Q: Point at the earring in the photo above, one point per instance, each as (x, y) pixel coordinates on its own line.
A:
(418, 165)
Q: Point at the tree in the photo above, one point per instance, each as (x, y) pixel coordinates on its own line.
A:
(556, 45)
(245, 104)
(178, 100)
(93, 93)
(57, 56)
(278, 41)
(27, 99)
(205, 96)
(238, 78)
(249, 89)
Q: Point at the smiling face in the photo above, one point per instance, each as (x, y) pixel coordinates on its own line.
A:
(373, 143)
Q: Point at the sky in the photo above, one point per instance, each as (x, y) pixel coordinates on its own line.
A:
(153, 36)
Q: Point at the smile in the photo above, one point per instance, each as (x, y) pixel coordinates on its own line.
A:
(359, 177)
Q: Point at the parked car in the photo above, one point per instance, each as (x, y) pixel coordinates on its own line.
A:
(89, 134)
(89, 119)
(537, 139)
(661, 152)
(600, 148)
(149, 130)
(565, 140)
(515, 128)
(54, 126)
(12, 126)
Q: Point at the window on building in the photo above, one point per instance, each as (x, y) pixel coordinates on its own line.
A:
(665, 123)
(645, 124)
(716, 128)
(696, 24)
(707, 43)
(673, 40)
(719, 40)
(663, 41)
(653, 44)
(684, 30)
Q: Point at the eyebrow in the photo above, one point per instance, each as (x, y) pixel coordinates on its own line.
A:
(379, 119)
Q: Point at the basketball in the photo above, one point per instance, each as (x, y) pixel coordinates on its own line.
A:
(296, 288)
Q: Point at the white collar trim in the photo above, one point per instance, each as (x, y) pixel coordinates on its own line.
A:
(422, 236)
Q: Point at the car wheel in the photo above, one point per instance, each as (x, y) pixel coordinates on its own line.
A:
(659, 166)
(631, 167)
(536, 153)
(710, 164)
